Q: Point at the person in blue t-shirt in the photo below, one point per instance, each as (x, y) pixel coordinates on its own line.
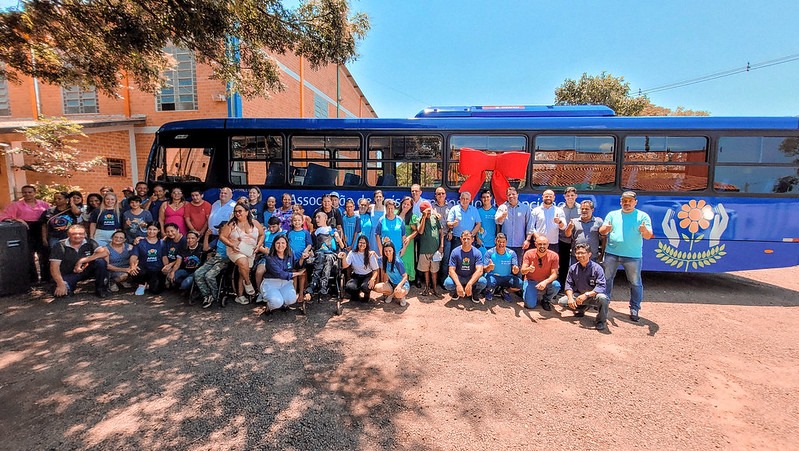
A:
(147, 262)
(351, 224)
(395, 285)
(626, 229)
(465, 270)
(488, 225)
(502, 269)
(301, 245)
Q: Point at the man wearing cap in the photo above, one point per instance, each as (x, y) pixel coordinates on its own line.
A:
(626, 229)
(336, 199)
(124, 204)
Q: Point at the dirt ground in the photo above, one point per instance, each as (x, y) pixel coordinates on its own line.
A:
(713, 363)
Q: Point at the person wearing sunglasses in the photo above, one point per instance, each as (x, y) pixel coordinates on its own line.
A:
(540, 271)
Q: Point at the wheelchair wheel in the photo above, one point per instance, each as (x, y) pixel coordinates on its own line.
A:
(338, 307)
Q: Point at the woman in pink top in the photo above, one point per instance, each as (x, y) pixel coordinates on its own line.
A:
(173, 212)
(28, 211)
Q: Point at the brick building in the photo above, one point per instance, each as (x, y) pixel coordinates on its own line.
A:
(122, 129)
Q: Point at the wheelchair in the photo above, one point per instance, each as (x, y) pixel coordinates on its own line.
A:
(335, 284)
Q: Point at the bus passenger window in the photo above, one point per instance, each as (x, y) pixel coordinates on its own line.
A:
(587, 163)
(256, 160)
(665, 163)
(757, 164)
(487, 143)
(325, 160)
(181, 164)
(404, 160)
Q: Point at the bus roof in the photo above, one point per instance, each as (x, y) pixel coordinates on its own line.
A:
(518, 111)
(526, 124)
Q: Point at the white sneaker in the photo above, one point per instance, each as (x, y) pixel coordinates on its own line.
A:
(140, 290)
(113, 287)
(259, 299)
(389, 299)
(249, 289)
(403, 302)
(243, 300)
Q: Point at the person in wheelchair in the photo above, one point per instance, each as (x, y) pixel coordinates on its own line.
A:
(364, 270)
(327, 243)
(277, 288)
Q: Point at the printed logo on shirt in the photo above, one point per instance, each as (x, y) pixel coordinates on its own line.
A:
(152, 255)
(466, 264)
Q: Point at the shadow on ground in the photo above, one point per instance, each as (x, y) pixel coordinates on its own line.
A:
(687, 288)
(125, 373)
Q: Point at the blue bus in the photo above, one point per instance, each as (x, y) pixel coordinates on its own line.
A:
(722, 192)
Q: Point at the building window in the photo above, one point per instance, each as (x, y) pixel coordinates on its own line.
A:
(180, 91)
(5, 104)
(79, 101)
(116, 167)
(319, 106)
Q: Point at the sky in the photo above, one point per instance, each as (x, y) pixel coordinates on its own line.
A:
(516, 52)
(464, 52)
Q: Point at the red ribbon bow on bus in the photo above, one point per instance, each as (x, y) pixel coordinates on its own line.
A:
(505, 165)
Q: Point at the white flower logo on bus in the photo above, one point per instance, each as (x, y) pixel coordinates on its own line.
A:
(695, 218)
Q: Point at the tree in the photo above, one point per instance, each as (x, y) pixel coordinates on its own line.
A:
(53, 150)
(603, 89)
(653, 110)
(98, 42)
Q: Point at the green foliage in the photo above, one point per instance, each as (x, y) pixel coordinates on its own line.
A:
(96, 42)
(46, 192)
(53, 149)
(603, 89)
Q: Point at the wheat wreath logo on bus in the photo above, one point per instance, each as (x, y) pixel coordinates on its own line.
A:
(698, 221)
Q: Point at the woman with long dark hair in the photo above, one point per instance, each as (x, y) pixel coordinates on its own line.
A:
(277, 289)
(395, 280)
(364, 270)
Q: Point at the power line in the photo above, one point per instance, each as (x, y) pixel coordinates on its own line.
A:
(726, 73)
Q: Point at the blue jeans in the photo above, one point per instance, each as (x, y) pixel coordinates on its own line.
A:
(532, 295)
(478, 286)
(511, 281)
(632, 267)
(184, 279)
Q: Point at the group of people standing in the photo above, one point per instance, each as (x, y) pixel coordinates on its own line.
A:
(157, 240)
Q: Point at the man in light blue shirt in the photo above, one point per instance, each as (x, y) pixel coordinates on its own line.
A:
(626, 230)
(502, 269)
(463, 216)
(513, 217)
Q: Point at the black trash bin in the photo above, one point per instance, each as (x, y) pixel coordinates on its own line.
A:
(14, 258)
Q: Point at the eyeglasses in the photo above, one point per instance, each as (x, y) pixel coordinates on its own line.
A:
(540, 263)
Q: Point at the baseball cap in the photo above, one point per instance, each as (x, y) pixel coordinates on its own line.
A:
(628, 194)
(424, 205)
(334, 194)
(128, 188)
